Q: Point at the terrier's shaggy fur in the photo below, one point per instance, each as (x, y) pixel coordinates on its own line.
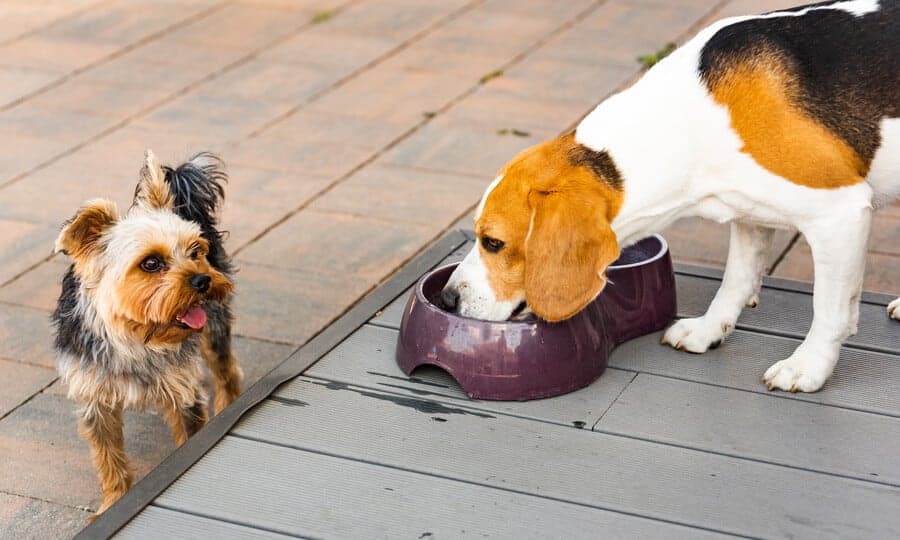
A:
(146, 292)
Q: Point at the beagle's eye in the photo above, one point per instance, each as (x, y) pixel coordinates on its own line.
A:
(491, 245)
(152, 264)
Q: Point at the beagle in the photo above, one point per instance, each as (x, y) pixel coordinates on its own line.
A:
(785, 120)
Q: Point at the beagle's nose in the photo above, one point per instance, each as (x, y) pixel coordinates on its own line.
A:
(200, 282)
(450, 298)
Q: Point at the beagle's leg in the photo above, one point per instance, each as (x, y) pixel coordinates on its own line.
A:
(740, 287)
(838, 249)
(101, 427)
(894, 309)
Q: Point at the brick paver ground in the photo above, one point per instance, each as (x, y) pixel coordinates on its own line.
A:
(357, 131)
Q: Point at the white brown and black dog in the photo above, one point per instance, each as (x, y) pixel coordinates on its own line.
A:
(147, 293)
(784, 120)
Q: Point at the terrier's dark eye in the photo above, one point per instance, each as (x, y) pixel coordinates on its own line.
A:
(491, 245)
(195, 254)
(151, 264)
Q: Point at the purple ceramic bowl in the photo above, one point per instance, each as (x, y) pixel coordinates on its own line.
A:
(520, 360)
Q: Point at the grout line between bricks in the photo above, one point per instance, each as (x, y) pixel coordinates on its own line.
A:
(55, 22)
(79, 508)
(28, 400)
(115, 54)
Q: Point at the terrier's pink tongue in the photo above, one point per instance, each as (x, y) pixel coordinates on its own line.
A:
(194, 317)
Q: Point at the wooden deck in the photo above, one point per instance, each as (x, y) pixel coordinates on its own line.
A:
(664, 445)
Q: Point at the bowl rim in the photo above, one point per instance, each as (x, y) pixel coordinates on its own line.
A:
(423, 300)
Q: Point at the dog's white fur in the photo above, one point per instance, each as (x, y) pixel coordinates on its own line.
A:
(697, 168)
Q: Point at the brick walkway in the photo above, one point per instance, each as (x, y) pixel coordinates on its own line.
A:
(356, 133)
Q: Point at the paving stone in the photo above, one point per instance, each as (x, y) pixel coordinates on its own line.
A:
(39, 287)
(24, 517)
(705, 242)
(266, 82)
(53, 55)
(63, 187)
(125, 71)
(395, 96)
(404, 195)
(17, 82)
(882, 271)
(885, 236)
(322, 159)
(398, 19)
(290, 305)
(230, 117)
(25, 335)
(242, 27)
(472, 150)
(585, 85)
(23, 245)
(497, 109)
(255, 198)
(18, 382)
(41, 455)
(65, 128)
(30, 153)
(101, 99)
(310, 126)
(752, 7)
(329, 51)
(608, 35)
(120, 23)
(338, 244)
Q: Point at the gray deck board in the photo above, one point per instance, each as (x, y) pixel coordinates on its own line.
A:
(155, 522)
(317, 495)
(862, 380)
(594, 469)
(836, 441)
(367, 359)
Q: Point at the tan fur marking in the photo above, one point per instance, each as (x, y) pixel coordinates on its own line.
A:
(559, 265)
(152, 190)
(762, 98)
(226, 374)
(80, 237)
(102, 429)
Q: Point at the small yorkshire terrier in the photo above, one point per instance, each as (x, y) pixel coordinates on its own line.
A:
(145, 293)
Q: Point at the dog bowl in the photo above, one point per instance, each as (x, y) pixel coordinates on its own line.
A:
(521, 360)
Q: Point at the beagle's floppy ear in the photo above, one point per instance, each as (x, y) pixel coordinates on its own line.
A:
(80, 236)
(152, 190)
(570, 245)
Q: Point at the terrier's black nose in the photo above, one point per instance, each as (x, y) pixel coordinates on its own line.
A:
(200, 282)
(450, 298)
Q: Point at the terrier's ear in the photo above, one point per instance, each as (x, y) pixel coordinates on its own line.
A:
(152, 190)
(80, 236)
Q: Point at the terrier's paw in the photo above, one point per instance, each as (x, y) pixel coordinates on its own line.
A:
(894, 309)
(696, 335)
(753, 302)
(802, 372)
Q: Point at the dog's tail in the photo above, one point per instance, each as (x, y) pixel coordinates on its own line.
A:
(197, 187)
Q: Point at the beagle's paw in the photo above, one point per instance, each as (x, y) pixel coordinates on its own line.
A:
(696, 335)
(802, 372)
(894, 309)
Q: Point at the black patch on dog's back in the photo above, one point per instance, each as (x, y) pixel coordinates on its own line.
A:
(599, 162)
(847, 67)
